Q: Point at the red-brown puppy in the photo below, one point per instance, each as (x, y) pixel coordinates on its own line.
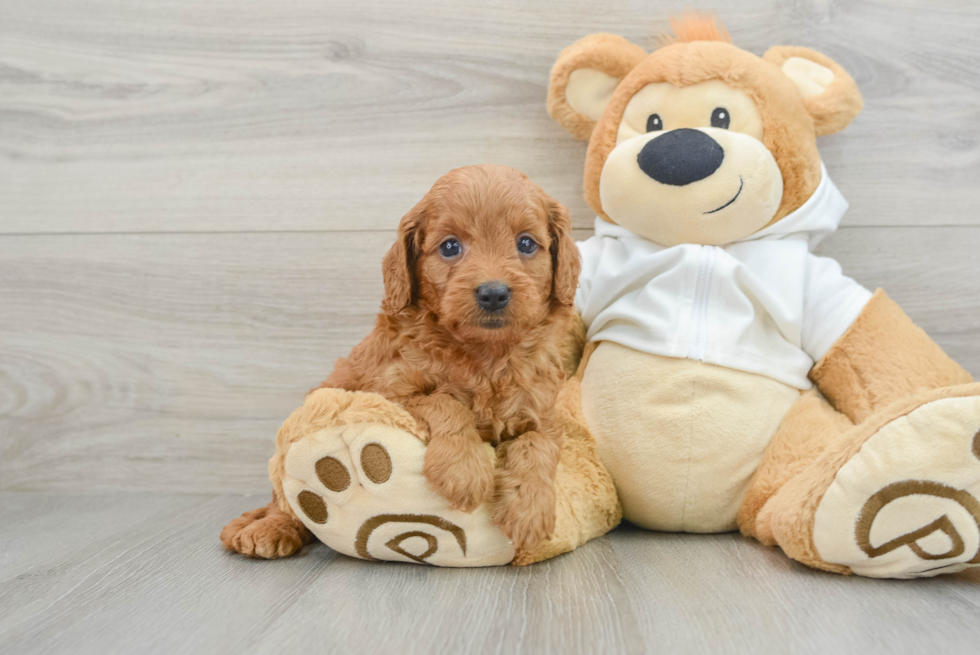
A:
(478, 300)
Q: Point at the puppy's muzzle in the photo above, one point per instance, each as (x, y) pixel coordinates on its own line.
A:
(492, 296)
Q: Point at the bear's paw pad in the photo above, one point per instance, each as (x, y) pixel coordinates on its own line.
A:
(908, 504)
(359, 488)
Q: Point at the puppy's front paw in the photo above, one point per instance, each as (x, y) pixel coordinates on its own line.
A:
(265, 536)
(524, 510)
(230, 532)
(463, 475)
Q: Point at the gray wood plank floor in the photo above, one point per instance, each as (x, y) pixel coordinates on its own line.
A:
(127, 573)
(194, 199)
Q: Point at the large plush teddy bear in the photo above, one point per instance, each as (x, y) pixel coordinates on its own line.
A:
(733, 379)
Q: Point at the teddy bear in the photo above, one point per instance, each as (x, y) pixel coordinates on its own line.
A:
(732, 378)
(723, 378)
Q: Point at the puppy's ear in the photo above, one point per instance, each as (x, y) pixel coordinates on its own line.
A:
(399, 265)
(565, 261)
(829, 93)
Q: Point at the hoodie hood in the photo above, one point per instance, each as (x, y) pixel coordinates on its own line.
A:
(814, 220)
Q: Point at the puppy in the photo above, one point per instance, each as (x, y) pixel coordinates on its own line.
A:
(479, 288)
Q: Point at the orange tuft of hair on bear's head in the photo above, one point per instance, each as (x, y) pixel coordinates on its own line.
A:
(695, 26)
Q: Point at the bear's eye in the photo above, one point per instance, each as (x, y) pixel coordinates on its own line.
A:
(450, 248)
(526, 245)
(720, 118)
(654, 123)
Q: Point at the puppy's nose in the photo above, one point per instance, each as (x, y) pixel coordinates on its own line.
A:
(492, 296)
(680, 157)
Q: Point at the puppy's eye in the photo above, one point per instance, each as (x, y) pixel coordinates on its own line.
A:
(654, 123)
(526, 245)
(720, 118)
(450, 248)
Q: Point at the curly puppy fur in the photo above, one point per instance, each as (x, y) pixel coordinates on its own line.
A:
(469, 377)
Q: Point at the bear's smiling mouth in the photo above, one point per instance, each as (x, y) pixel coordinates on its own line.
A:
(741, 183)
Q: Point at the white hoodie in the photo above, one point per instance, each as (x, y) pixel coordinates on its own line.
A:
(764, 304)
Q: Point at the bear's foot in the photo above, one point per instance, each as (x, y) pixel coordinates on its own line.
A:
(357, 485)
(898, 496)
(906, 505)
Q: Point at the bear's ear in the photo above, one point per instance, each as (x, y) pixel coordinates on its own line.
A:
(584, 77)
(830, 95)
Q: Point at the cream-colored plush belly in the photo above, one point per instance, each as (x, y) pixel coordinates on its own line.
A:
(680, 438)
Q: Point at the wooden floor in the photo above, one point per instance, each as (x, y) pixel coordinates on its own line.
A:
(140, 572)
(194, 199)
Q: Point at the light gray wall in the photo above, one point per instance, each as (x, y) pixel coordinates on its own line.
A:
(195, 196)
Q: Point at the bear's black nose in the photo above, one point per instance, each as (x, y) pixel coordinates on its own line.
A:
(493, 296)
(680, 157)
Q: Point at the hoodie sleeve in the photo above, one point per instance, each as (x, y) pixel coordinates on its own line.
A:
(831, 303)
(590, 251)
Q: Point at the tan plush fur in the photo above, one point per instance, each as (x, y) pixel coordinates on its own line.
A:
(884, 367)
(608, 53)
(788, 518)
(467, 377)
(858, 380)
(702, 52)
(806, 430)
(320, 411)
(839, 104)
(681, 438)
(789, 132)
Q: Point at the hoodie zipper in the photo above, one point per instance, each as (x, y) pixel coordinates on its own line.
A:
(697, 343)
